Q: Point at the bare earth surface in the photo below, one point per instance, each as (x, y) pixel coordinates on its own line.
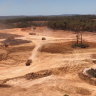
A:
(55, 65)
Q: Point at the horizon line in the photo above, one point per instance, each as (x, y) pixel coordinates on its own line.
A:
(49, 15)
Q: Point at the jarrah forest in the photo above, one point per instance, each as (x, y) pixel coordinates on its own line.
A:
(71, 22)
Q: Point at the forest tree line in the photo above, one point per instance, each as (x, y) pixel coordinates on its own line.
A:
(72, 23)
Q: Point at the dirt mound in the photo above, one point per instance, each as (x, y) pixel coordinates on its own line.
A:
(63, 47)
(45, 73)
(39, 74)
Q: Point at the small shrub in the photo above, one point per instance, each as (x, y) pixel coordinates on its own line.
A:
(80, 45)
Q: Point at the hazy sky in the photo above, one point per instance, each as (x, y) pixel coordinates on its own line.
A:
(47, 7)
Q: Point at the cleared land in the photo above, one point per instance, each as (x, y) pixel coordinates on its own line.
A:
(56, 66)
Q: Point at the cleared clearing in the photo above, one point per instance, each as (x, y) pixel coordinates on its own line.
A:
(56, 66)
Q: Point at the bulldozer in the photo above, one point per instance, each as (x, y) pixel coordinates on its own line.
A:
(28, 63)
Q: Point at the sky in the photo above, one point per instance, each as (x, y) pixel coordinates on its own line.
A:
(46, 7)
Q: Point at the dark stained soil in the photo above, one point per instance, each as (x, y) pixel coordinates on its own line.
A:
(6, 35)
(15, 41)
